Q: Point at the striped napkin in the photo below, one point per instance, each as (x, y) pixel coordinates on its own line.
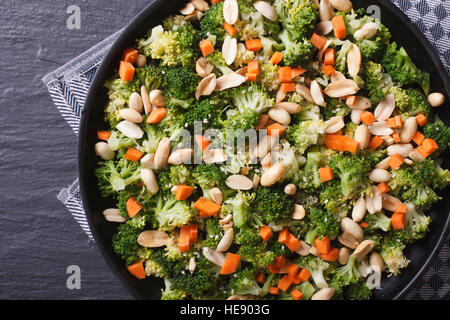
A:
(69, 84)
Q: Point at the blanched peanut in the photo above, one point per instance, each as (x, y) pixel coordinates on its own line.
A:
(290, 189)
(162, 153)
(299, 212)
(272, 175)
(376, 261)
(436, 99)
(409, 130)
(216, 195)
(141, 61)
(135, 102)
(362, 135)
(344, 254)
(323, 294)
(367, 31)
(351, 227)
(379, 175)
(149, 179)
(103, 150)
(359, 210)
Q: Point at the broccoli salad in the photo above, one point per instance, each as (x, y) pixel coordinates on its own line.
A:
(278, 149)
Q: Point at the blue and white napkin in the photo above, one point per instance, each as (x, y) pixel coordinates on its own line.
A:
(69, 84)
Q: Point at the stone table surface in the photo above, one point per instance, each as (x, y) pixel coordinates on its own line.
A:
(38, 151)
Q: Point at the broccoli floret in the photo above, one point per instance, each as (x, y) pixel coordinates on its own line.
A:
(321, 224)
(172, 251)
(358, 291)
(213, 233)
(296, 52)
(172, 213)
(333, 200)
(306, 132)
(335, 107)
(208, 176)
(352, 171)
(173, 22)
(252, 248)
(439, 132)
(207, 112)
(172, 294)
(181, 82)
(291, 161)
(254, 25)
(212, 22)
(415, 184)
(172, 176)
(236, 120)
(154, 136)
(119, 141)
(188, 39)
(346, 275)
(378, 221)
(217, 59)
(241, 209)
(273, 205)
(297, 16)
(378, 83)
(311, 176)
(157, 264)
(244, 283)
(269, 75)
(122, 88)
(318, 268)
(251, 97)
(403, 70)
(243, 56)
(125, 242)
(411, 102)
(115, 175)
(392, 254)
(417, 225)
(150, 76)
(202, 282)
(341, 54)
(172, 124)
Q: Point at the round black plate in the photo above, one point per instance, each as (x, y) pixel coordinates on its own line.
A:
(403, 31)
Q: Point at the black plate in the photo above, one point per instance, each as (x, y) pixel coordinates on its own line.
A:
(403, 31)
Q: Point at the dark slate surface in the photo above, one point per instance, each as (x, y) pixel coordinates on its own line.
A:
(39, 238)
(38, 151)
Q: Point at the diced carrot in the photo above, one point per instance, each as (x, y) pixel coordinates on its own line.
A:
(375, 143)
(229, 29)
(364, 225)
(275, 129)
(156, 115)
(331, 255)
(276, 57)
(398, 122)
(318, 41)
(329, 57)
(396, 137)
(326, 174)
(285, 74)
(206, 47)
(279, 262)
(261, 277)
(202, 142)
(302, 276)
(391, 122)
(193, 233)
(251, 76)
(130, 55)
(288, 87)
(322, 245)
(137, 270)
(285, 283)
(418, 138)
(400, 208)
(395, 161)
(207, 207)
(383, 187)
(133, 207)
(253, 67)
(103, 135)
(429, 146)
(283, 236)
(183, 192)
(367, 117)
(350, 101)
(126, 71)
(339, 27)
(291, 269)
(133, 155)
(184, 240)
(265, 233)
(274, 290)
(297, 72)
(273, 269)
(231, 263)
(293, 243)
(398, 221)
(253, 45)
(328, 70)
(339, 142)
(296, 294)
(421, 119)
